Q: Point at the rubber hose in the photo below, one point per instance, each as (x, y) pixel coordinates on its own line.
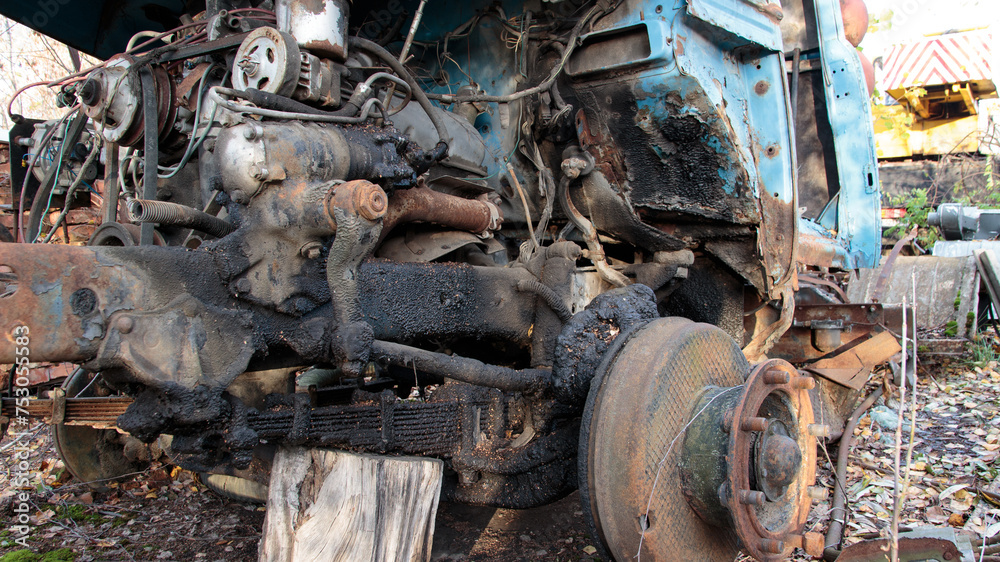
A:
(547, 295)
(398, 68)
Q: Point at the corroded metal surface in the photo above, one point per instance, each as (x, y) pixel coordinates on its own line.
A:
(638, 407)
(910, 550)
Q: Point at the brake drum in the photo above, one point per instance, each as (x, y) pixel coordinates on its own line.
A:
(688, 452)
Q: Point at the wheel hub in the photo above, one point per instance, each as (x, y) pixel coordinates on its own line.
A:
(689, 453)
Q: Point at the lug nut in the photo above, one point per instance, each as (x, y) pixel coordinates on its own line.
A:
(804, 383)
(754, 424)
(752, 497)
(776, 376)
(818, 430)
(772, 546)
(818, 493)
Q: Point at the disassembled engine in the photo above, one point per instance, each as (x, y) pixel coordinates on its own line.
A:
(544, 245)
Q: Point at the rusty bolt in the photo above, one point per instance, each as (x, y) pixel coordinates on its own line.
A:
(311, 250)
(948, 555)
(243, 285)
(776, 376)
(727, 419)
(124, 324)
(818, 493)
(751, 497)
(370, 201)
(813, 544)
(772, 546)
(755, 424)
(762, 87)
(818, 430)
(804, 383)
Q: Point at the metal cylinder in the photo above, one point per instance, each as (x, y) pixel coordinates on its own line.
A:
(320, 26)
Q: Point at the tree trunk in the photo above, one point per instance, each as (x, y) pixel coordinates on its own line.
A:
(342, 507)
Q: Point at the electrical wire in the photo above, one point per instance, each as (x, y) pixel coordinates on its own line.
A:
(46, 139)
(216, 93)
(194, 144)
(71, 190)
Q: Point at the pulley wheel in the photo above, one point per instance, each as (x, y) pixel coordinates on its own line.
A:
(658, 456)
(93, 455)
(268, 60)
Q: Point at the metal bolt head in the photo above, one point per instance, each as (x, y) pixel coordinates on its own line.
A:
(124, 324)
(813, 544)
(311, 250)
(250, 132)
(258, 172)
(371, 201)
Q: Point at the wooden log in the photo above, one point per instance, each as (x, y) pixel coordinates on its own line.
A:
(342, 507)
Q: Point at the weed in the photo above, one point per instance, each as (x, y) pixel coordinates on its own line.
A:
(951, 329)
(25, 555)
(982, 352)
(78, 513)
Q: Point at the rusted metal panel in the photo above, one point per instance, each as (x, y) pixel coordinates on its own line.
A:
(853, 366)
(63, 295)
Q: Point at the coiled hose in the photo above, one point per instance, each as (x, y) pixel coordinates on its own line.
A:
(172, 214)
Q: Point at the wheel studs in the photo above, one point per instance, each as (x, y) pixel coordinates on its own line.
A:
(818, 430)
(752, 497)
(776, 376)
(818, 493)
(772, 546)
(754, 424)
(804, 383)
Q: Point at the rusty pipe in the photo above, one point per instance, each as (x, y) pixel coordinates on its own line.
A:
(423, 204)
(838, 515)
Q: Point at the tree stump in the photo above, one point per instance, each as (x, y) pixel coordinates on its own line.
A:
(342, 507)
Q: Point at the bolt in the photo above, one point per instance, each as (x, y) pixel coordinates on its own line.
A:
(258, 172)
(948, 555)
(751, 497)
(250, 132)
(755, 424)
(762, 87)
(818, 430)
(818, 493)
(90, 92)
(813, 544)
(243, 285)
(776, 376)
(804, 383)
(772, 546)
(124, 324)
(370, 201)
(311, 250)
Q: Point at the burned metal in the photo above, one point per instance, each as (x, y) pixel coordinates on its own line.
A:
(509, 278)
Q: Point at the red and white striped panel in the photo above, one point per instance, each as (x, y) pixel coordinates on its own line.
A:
(947, 59)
